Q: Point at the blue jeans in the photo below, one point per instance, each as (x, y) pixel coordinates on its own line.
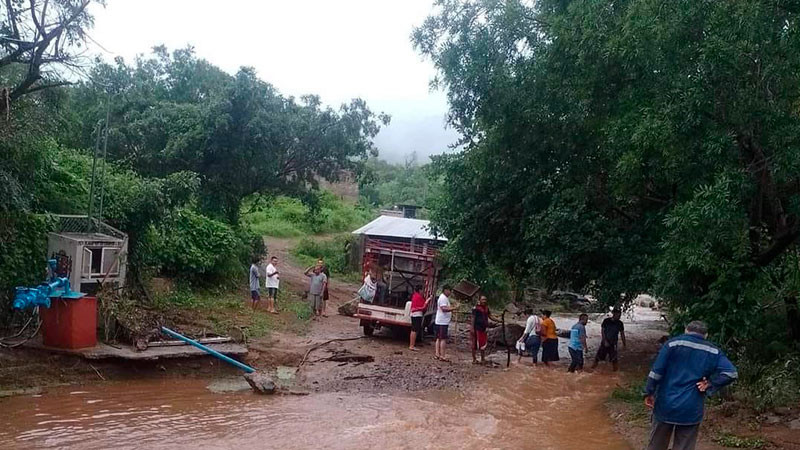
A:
(532, 345)
(577, 359)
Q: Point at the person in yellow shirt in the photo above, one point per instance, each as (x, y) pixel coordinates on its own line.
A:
(549, 338)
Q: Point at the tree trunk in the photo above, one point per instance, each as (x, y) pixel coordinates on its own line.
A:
(792, 317)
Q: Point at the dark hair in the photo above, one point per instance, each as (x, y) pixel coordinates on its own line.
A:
(447, 287)
(546, 312)
(274, 257)
(616, 311)
(418, 288)
(256, 260)
(582, 316)
(528, 311)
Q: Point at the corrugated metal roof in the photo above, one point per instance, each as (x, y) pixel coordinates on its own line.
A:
(399, 227)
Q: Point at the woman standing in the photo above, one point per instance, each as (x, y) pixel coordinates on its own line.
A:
(549, 339)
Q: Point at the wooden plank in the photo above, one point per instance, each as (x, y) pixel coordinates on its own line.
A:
(104, 351)
(204, 341)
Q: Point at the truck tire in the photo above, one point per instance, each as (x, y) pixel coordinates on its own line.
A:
(368, 329)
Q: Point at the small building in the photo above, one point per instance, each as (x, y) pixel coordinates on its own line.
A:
(88, 251)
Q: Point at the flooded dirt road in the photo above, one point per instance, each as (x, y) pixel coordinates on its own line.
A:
(519, 408)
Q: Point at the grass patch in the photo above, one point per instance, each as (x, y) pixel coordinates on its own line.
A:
(220, 310)
(734, 441)
(290, 217)
(631, 395)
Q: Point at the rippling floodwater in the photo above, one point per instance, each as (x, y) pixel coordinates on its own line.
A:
(519, 408)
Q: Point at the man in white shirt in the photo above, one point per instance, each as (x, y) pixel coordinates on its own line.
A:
(443, 314)
(273, 281)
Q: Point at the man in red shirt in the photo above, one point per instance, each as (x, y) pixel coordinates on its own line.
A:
(418, 307)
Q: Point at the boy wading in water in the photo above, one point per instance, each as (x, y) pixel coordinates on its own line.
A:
(255, 298)
(273, 281)
(577, 343)
(480, 322)
(443, 314)
(317, 282)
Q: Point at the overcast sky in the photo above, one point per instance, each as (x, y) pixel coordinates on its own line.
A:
(337, 49)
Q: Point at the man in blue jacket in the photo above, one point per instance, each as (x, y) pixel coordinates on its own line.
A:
(687, 369)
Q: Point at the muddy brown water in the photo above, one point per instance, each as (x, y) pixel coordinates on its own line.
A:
(519, 408)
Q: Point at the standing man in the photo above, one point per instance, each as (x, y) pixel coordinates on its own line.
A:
(443, 314)
(688, 368)
(316, 287)
(480, 322)
(577, 343)
(531, 337)
(255, 298)
(324, 268)
(549, 339)
(418, 307)
(610, 331)
(273, 281)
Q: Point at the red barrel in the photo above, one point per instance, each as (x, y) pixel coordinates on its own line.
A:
(70, 322)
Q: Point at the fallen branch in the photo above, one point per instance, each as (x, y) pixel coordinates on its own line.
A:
(97, 372)
(351, 358)
(323, 344)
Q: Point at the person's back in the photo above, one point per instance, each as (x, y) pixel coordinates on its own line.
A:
(687, 369)
(575, 334)
(690, 358)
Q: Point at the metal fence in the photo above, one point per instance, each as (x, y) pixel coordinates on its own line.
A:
(85, 224)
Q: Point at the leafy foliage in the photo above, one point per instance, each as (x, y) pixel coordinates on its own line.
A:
(626, 147)
(383, 184)
(179, 113)
(284, 216)
(23, 252)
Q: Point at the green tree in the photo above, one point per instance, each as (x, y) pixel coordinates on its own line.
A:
(643, 144)
(176, 112)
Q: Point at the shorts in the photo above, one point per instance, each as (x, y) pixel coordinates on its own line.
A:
(481, 339)
(316, 301)
(550, 350)
(607, 350)
(254, 295)
(416, 324)
(272, 292)
(441, 331)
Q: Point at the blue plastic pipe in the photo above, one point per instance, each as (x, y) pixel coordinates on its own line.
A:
(202, 347)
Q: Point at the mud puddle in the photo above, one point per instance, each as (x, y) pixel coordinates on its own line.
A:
(520, 408)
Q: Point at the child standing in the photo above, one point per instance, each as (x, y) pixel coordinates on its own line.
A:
(577, 343)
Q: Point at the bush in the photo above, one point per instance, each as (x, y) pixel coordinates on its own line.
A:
(768, 385)
(23, 253)
(200, 249)
(291, 217)
(308, 250)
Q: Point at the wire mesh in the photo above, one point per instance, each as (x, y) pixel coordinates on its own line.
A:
(85, 224)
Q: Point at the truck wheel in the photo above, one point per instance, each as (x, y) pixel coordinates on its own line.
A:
(368, 329)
